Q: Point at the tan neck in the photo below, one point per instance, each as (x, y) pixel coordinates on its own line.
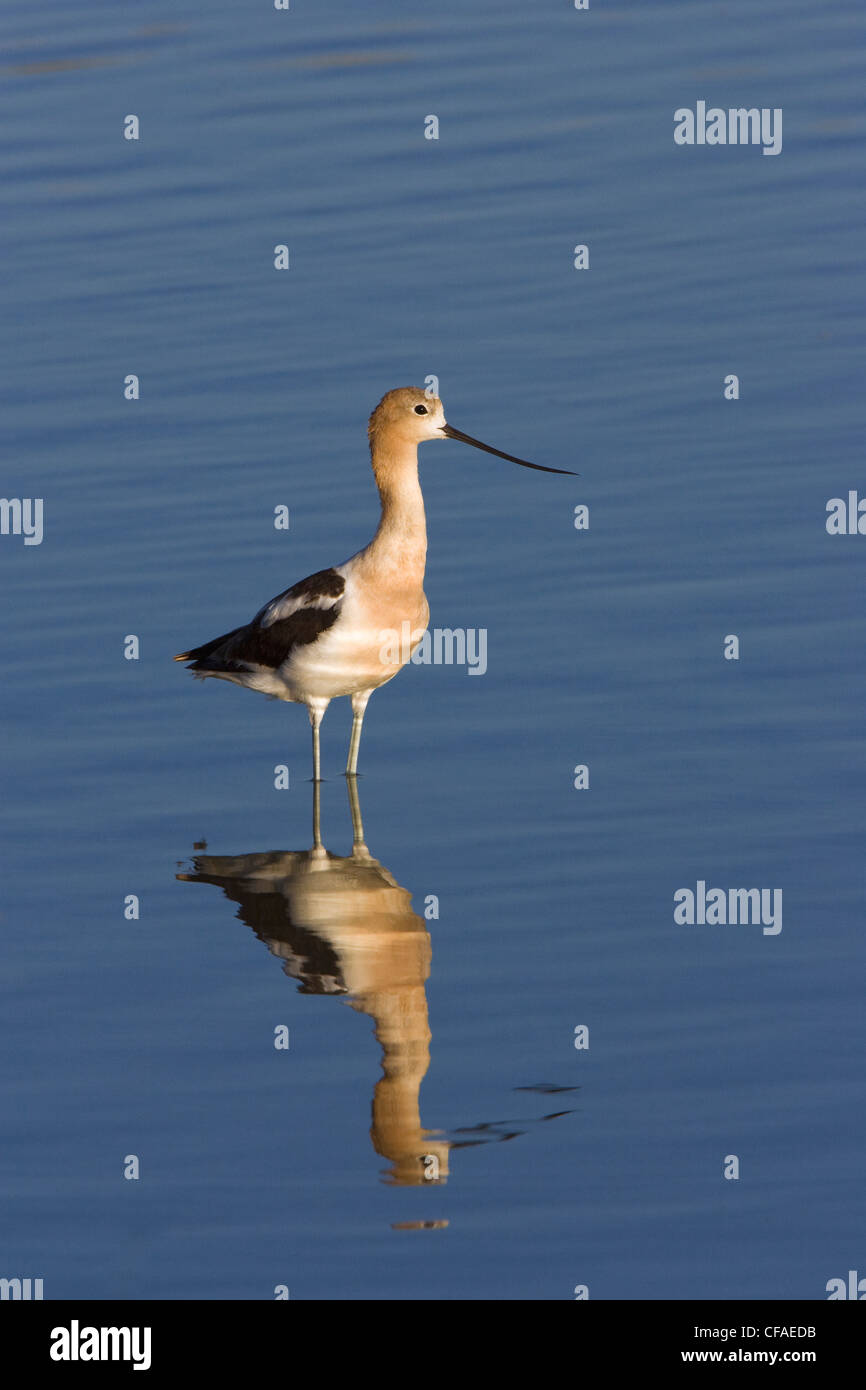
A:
(401, 537)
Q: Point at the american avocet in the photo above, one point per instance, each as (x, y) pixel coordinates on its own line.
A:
(328, 635)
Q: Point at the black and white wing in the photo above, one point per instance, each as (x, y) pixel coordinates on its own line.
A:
(294, 618)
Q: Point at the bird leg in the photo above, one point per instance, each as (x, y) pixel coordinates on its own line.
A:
(359, 704)
(316, 711)
(317, 818)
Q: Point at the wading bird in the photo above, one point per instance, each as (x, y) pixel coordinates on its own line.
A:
(331, 634)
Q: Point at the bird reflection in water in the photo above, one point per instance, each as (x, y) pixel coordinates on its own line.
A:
(345, 926)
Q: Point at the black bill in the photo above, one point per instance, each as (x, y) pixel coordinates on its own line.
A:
(451, 433)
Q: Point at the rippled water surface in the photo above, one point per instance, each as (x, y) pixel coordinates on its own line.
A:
(431, 1131)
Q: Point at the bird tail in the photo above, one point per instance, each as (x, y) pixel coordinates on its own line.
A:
(207, 650)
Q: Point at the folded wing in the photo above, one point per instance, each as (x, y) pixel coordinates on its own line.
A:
(294, 618)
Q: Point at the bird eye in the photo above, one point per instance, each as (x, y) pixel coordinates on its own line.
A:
(421, 410)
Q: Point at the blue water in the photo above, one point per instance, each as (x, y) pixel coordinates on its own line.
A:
(409, 257)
